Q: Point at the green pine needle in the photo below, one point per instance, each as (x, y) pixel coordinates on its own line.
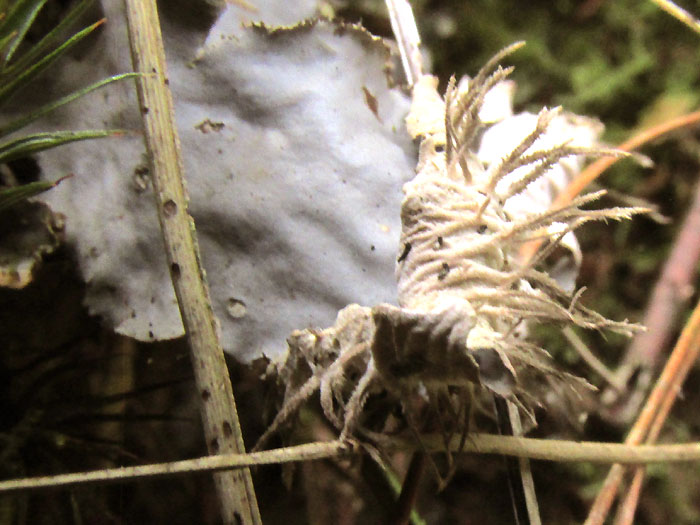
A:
(11, 196)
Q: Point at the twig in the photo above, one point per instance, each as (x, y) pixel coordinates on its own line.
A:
(671, 293)
(679, 14)
(186, 467)
(654, 412)
(628, 507)
(625, 513)
(217, 405)
(542, 449)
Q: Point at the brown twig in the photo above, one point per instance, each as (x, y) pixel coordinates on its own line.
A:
(217, 405)
(670, 295)
(655, 410)
(628, 507)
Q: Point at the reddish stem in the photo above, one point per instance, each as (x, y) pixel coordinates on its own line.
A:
(671, 293)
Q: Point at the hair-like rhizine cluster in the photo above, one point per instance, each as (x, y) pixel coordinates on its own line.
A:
(464, 294)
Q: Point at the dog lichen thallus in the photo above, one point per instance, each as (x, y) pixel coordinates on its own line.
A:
(464, 296)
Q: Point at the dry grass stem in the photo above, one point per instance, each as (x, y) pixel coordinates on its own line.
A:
(217, 405)
(542, 449)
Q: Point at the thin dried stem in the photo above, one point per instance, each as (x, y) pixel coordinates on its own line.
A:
(625, 513)
(542, 449)
(217, 405)
(533, 510)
